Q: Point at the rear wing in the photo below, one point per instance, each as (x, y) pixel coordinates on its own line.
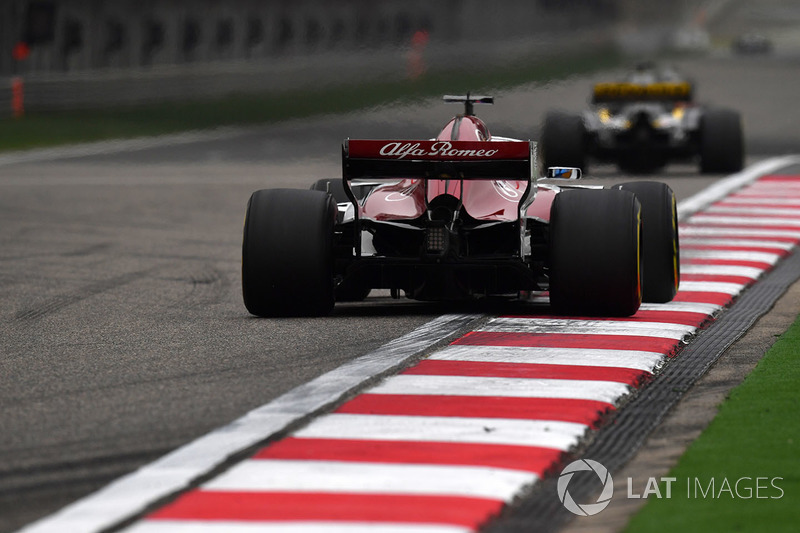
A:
(431, 160)
(461, 160)
(605, 93)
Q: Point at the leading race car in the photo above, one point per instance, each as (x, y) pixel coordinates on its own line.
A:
(460, 216)
(643, 123)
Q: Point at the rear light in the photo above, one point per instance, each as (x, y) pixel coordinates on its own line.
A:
(436, 239)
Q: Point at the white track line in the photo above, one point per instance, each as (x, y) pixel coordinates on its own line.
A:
(134, 492)
(119, 146)
(726, 186)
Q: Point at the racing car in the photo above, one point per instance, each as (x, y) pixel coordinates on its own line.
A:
(460, 216)
(643, 123)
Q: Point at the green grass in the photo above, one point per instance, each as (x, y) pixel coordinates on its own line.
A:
(39, 129)
(755, 434)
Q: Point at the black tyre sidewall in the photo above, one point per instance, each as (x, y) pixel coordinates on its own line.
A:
(287, 253)
(660, 245)
(594, 253)
(563, 140)
(721, 141)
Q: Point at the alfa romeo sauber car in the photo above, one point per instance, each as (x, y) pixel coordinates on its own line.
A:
(461, 216)
(643, 123)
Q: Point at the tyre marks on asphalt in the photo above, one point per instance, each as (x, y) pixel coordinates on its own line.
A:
(443, 445)
(446, 443)
(87, 291)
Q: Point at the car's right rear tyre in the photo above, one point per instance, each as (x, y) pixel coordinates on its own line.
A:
(563, 140)
(287, 253)
(595, 245)
(660, 247)
(721, 142)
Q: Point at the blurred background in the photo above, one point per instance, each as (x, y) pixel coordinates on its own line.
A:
(95, 53)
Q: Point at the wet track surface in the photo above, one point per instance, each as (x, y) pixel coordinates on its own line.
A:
(123, 332)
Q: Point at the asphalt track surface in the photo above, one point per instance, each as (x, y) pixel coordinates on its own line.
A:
(123, 332)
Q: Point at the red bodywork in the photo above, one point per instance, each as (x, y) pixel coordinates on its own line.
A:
(495, 200)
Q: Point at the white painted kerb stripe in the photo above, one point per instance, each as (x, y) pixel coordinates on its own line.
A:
(732, 255)
(767, 234)
(770, 211)
(637, 360)
(691, 307)
(447, 429)
(711, 286)
(225, 526)
(603, 391)
(732, 200)
(702, 218)
(722, 270)
(752, 244)
(598, 327)
(629, 329)
(370, 478)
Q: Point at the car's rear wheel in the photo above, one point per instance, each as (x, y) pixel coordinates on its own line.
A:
(721, 142)
(563, 140)
(594, 267)
(660, 249)
(287, 253)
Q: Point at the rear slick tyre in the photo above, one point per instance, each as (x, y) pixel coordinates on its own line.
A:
(595, 239)
(721, 142)
(563, 140)
(287, 253)
(660, 248)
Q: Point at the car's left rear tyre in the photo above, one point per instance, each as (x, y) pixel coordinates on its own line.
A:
(287, 253)
(594, 264)
(660, 247)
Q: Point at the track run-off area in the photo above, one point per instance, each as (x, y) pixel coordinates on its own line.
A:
(138, 393)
